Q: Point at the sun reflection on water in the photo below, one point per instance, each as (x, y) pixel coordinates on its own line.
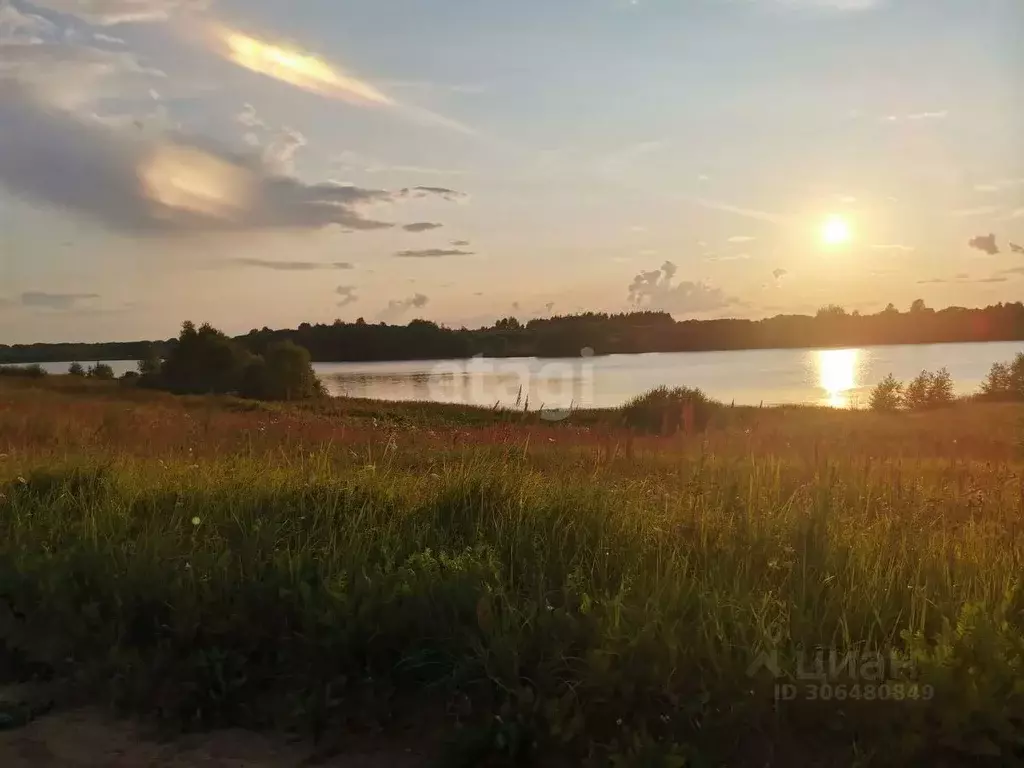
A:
(838, 371)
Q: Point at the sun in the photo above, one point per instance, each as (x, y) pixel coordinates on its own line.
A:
(836, 231)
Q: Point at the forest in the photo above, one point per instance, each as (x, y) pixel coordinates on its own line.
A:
(569, 335)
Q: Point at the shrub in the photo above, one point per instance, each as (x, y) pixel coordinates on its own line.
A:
(288, 373)
(34, 371)
(130, 378)
(663, 410)
(76, 369)
(102, 372)
(887, 395)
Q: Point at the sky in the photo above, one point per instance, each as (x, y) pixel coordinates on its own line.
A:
(258, 163)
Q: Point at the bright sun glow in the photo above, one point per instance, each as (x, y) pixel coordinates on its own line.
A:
(836, 231)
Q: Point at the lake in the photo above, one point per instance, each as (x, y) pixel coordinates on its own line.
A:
(842, 378)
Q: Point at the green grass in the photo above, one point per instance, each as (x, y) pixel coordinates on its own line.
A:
(552, 598)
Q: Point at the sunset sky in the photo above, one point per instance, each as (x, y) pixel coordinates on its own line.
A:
(260, 162)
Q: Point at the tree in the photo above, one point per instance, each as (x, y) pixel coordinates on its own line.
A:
(204, 361)
(890, 309)
(940, 390)
(918, 306)
(997, 385)
(76, 369)
(101, 371)
(915, 397)
(831, 310)
(887, 395)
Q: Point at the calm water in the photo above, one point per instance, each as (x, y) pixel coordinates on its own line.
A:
(838, 377)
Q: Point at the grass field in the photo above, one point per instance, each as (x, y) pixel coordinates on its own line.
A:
(555, 592)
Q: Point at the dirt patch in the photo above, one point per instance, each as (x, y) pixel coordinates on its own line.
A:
(86, 737)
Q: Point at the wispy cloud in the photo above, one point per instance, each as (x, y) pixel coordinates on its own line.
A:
(289, 266)
(432, 253)
(917, 116)
(981, 210)
(740, 239)
(779, 273)
(421, 226)
(460, 243)
(311, 73)
(892, 247)
(59, 301)
(110, 12)
(749, 213)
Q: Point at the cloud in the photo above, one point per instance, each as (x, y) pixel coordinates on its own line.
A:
(72, 75)
(998, 185)
(289, 266)
(442, 192)
(140, 184)
(917, 116)
(347, 294)
(398, 307)
(1017, 213)
(460, 243)
(740, 239)
(985, 244)
(58, 301)
(993, 279)
(110, 12)
(749, 213)
(779, 273)
(432, 253)
(1014, 248)
(929, 282)
(655, 290)
(893, 247)
(422, 226)
(279, 154)
(22, 27)
(981, 210)
(310, 73)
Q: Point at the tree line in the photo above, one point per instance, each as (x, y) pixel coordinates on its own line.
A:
(603, 333)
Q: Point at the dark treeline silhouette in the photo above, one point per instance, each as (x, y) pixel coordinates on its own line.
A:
(567, 336)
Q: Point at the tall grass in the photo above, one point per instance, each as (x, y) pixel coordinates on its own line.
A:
(550, 596)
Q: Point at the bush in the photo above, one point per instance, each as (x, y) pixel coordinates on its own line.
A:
(664, 411)
(130, 378)
(102, 372)
(288, 373)
(76, 369)
(1005, 381)
(34, 371)
(887, 395)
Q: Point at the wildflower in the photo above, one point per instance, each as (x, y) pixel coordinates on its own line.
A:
(196, 521)
(22, 480)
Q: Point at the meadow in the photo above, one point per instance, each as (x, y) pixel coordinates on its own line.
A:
(527, 592)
